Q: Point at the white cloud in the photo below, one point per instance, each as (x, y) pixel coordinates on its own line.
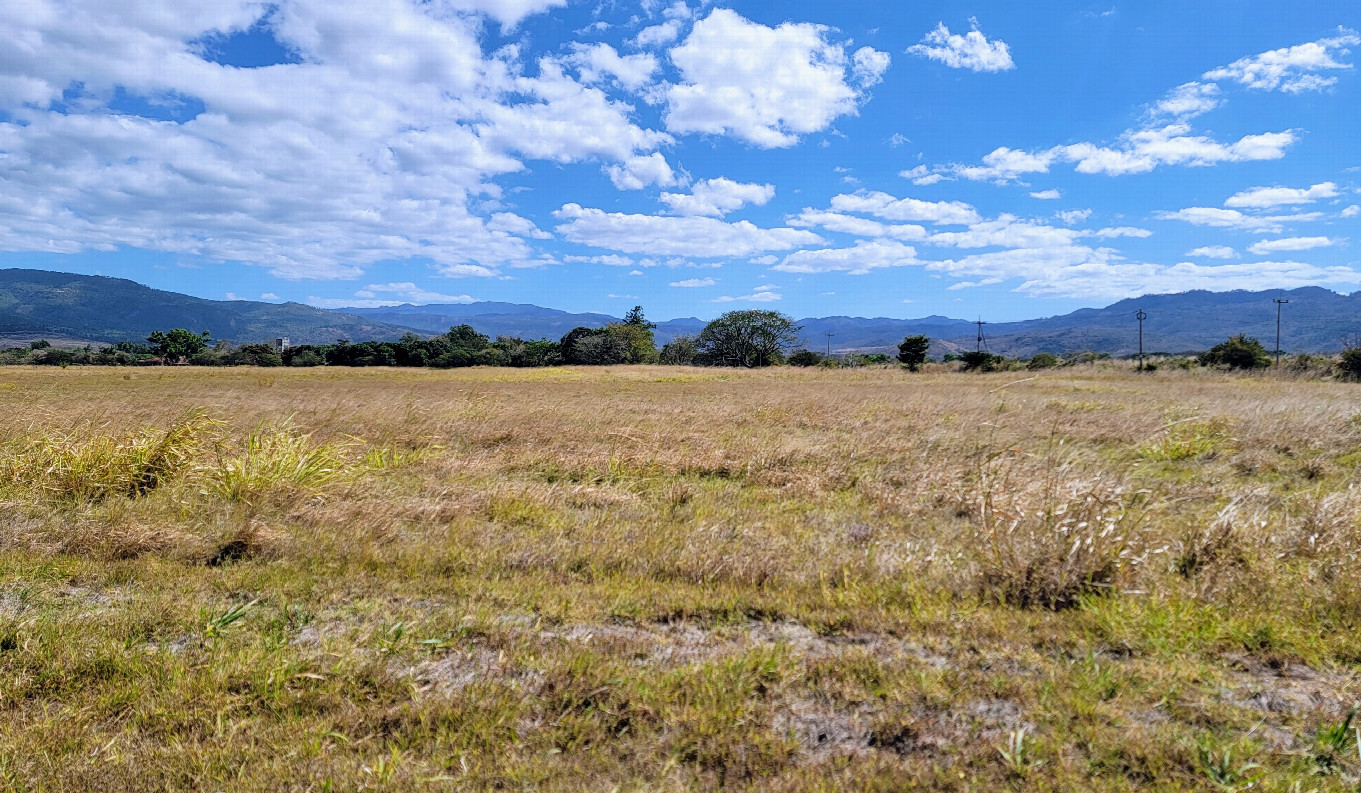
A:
(1291, 69)
(1119, 231)
(656, 35)
(1188, 101)
(759, 296)
(613, 296)
(701, 237)
(1214, 252)
(1290, 244)
(1233, 219)
(921, 175)
(597, 62)
(270, 296)
(860, 227)
(508, 12)
(638, 172)
(857, 260)
(1072, 216)
(883, 205)
(970, 51)
(393, 294)
(1350, 212)
(1047, 195)
(1267, 197)
(869, 65)
(899, 139)
(609, 260)
(717, 197)
(764, 85)
(692, 283)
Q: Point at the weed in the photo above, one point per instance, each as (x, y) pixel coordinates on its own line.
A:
(1187, 439)
(215, 626)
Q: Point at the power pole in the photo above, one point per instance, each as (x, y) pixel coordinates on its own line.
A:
(829, 343)
(980, 323)
(1141, 315)
(1279, 302)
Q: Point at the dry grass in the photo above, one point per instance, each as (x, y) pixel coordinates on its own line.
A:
(645, 578)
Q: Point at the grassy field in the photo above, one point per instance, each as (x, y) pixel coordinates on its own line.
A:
(649, 578)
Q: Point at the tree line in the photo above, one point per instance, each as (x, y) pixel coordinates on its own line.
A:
(751, 338)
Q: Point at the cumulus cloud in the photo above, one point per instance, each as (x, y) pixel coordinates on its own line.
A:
(763, 85)
(597, 62)
(701, 237)
(1047, 195)
(1214, 252)
(970, 51)
(1350, 212)
(1292, 69)
(1233, 219)
(392, 294)
(1072, 216)
(638, 172)
(857, 226)
(859, 259)
(1290, 244)
(760, 295)
(921, 175)
(1268, 197)
(1188, 101)
(718, 197)
(883, 205)
(1119, 231)
(380, 142)
(693, 283)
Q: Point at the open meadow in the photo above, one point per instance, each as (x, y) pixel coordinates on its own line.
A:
(666, 578)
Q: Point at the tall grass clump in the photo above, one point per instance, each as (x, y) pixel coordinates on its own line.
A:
(1049, 541)
(274, 459)
(69, 468)
(1186, 439)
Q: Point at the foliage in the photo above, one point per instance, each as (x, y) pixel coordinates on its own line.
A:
(750, 339)
(1349, 365)
(805, 358)
(978, 360)
(680, 351)
(1043, 360)
(912, 351)
(1237, 352)
(178, 343)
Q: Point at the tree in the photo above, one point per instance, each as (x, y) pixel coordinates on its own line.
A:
(912, 351)
(982, 361)
(1237, 352)
(680, 351)
(1350, 363)
(749, 338)
(1043, 360)
(178, 343)
(804, 358)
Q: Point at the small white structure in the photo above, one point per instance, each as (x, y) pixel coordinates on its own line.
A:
(280, 344)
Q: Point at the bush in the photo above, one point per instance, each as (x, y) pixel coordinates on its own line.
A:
(980, 361)
(1044, 360)
(804, 358)
(1237, 352)
(680, 351)
(1350, 364)
(307, 358)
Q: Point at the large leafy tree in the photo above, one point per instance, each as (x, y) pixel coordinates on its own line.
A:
(747, 338)
(178, 343)
(912, 352)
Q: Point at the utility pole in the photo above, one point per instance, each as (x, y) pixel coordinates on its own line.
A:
(1279, 302)
(1141, 315)
(980, 323)
(829, 343)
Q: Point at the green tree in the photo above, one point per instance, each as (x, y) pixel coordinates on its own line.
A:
(912, 352)
(804, 358)
(178, 343)
(680, 351)
(979, 360)
(1350, 364)
(749, 338)
(1043, 360)
(1237, 352)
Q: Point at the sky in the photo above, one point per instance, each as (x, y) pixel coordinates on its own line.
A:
(896, 159)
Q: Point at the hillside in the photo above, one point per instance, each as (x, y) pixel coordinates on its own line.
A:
(99, 309)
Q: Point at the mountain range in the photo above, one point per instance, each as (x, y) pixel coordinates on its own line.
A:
(82, 308)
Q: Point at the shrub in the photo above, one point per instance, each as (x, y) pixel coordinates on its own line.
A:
(980, 361)
(680, 351)
(804, 358)
(1043, 360)
(1349, 366)
(1237, 352)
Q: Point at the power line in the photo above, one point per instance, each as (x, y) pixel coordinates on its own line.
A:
(1141, 315)
(981, 345)
(829, 342)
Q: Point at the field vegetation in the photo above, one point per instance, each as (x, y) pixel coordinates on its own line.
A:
(668, 578)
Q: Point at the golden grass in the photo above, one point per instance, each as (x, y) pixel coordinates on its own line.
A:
(645, 578)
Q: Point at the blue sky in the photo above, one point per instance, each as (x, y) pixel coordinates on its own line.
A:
(872, 159)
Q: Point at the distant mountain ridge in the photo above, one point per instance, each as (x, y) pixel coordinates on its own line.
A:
(96, 308)
(101, 309)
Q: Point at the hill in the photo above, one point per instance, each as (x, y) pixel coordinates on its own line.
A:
(41, 304)
(95, 308)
